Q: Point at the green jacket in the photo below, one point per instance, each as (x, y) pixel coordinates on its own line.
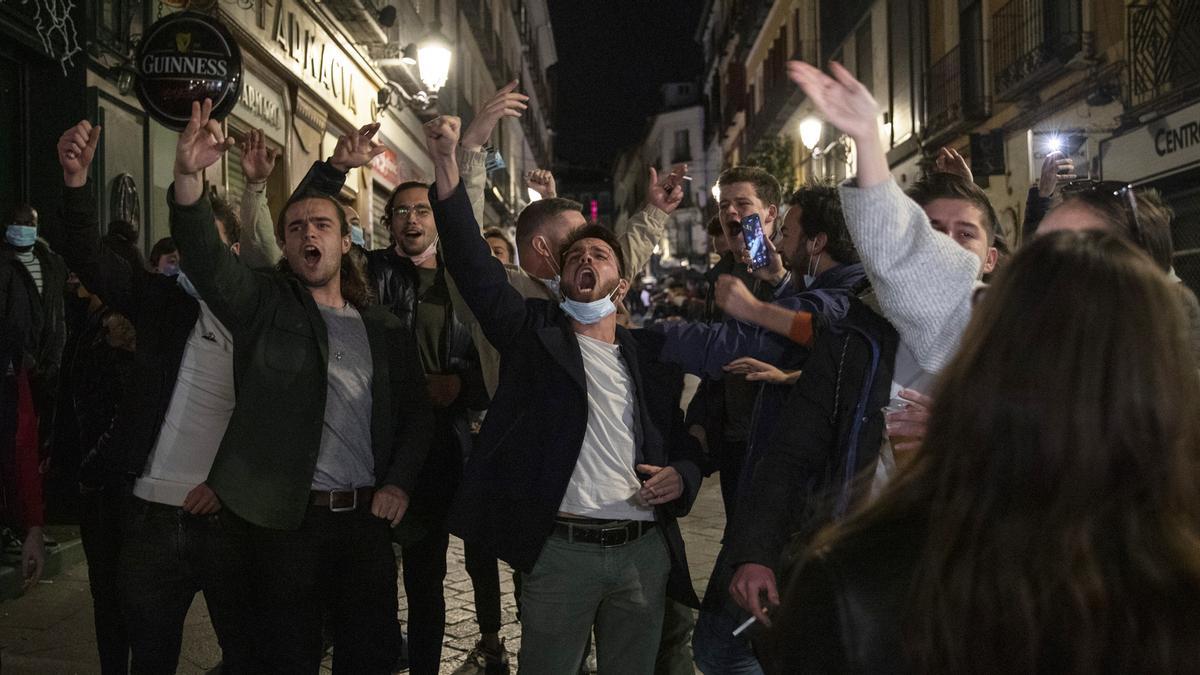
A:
(264, 468)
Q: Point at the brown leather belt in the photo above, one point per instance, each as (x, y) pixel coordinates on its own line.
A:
(342, 500)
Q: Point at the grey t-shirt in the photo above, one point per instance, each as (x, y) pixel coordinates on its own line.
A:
(346, 460)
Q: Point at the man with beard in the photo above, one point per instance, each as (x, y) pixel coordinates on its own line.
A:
(583, 463)
(329, 431)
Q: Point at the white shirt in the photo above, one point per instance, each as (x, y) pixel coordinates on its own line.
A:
(604, 483)
(196, 417)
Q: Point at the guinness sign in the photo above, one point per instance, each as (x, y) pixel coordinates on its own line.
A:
(183, 58)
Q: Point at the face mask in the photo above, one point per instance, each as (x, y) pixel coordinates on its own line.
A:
(810, 274)
(420, 258)
(589, 312)
(356, 235)
(21, 236)
(554, 283)
(186, 284)
(169, 270)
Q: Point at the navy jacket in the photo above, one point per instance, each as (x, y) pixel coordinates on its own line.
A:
(529, 445)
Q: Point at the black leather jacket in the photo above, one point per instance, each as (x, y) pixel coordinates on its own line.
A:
(396, 283)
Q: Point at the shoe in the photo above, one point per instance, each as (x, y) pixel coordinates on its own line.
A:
(489, 662)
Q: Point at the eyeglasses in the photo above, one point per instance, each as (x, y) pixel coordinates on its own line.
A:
(1111, 189)
(403, 211)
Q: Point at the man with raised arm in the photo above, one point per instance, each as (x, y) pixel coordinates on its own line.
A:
(583, 463)
(329, 431)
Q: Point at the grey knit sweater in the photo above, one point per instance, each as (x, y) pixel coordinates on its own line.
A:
(925, 282)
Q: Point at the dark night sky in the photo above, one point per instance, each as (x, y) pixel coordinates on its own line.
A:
(612, 57)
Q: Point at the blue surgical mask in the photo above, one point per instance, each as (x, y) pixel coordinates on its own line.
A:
(21, 236)
(169, 269)
(356, 235)
(589, 312)
(186, 284)
(552, 284)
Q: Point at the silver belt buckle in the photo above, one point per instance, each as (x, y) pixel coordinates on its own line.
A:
(605, 542)
(343, 509)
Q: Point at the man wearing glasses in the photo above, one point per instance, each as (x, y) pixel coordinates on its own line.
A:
(408, 279)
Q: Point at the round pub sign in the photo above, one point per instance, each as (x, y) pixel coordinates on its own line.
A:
(187, 57)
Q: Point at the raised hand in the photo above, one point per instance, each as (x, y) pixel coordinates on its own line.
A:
(356, 149)
(76, 149)
(542, 182)
(258, 160)
(506, 102)
(441, 135)
(666, 195)
(1056, 168)
(841, 99)
(201, 143)
(735, 299)
(949, 161)
(774, 271)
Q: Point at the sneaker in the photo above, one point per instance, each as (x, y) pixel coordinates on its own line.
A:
(489, 662)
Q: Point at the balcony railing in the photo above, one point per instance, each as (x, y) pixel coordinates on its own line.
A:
(1031, 41)
(955, 89)
(1164, 49)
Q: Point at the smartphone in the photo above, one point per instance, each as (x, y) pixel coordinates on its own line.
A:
(756, 241)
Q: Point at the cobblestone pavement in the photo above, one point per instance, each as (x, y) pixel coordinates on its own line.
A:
(49, 630)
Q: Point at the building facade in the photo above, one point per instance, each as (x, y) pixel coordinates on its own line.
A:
(311, 71)
(1110, 82)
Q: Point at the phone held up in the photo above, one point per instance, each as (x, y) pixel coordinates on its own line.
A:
(756, 241)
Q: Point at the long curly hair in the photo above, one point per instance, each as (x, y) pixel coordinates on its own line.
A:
(1059, 478)
(356, 288)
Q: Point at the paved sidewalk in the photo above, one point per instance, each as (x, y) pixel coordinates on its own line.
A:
(49, 630)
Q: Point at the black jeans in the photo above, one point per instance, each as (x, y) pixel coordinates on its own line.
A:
(167, 556)
(100, 529)
(424, 567)
(336, 570)
(485, 582)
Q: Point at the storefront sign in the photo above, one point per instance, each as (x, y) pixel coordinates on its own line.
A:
(386, 168)
(303, 44)
(1162, 147)
(263, 107)
(183, 58)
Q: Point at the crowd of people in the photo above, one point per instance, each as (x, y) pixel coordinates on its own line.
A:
(937, 451)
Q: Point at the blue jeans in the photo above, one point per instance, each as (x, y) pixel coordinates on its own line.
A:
(717, 651)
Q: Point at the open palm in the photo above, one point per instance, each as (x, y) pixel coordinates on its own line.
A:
(202, 141)
(841, 99)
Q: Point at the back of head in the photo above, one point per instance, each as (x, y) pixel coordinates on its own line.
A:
(124, 230)
(765, 185)
(941, 185)
(1144, 220)
(540, 213)
(122, 239)
(1060, 475)
(821, 213)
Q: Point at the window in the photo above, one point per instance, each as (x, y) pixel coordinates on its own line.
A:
(683, 147)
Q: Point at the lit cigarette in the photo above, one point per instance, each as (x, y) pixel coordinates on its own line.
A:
(745, 624)
(687, 178)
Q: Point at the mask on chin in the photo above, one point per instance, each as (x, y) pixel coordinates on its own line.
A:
(590, 312)
(422, 257)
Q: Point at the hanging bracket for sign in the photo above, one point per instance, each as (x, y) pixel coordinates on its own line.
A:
(187, 57)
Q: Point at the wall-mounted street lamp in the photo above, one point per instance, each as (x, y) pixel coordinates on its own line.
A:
(431, 55)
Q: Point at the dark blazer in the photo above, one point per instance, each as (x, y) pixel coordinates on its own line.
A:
(162, 313)
(828, 433)
(530, 441)
(264, 468)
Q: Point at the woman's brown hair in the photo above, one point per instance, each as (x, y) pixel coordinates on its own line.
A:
(1060, 476)
(355, 287)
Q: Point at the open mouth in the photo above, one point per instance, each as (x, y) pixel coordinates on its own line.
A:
(312, 254)
(413, 234)
(586, 279)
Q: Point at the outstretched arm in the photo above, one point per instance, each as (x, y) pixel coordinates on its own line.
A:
(924, 281)
(480, 278)
(258, 245)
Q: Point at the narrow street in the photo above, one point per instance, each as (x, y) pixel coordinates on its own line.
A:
(49, 630)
